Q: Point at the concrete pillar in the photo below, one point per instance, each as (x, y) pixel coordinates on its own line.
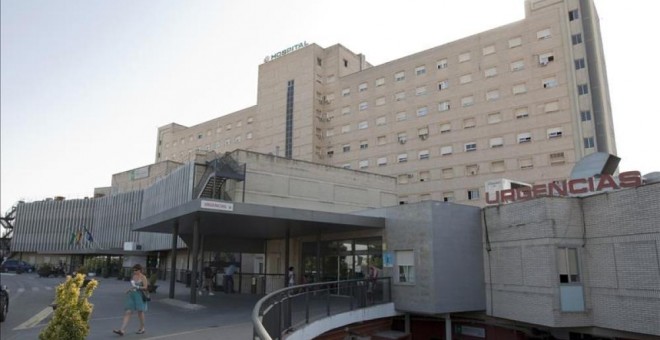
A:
(175, 235)
(448, 326)
(286, 257)
(406, 323)
(195, 264)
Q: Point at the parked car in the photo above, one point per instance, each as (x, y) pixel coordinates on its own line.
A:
(17, 266)
(4, 303)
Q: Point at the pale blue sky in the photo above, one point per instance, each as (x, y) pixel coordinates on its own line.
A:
(86, 84)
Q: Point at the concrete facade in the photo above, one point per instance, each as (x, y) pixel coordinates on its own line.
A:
(616, 236)
(524, 101)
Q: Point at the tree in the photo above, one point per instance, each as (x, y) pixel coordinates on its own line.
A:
(71, 317)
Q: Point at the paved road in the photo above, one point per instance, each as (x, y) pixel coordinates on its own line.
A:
(215, 317)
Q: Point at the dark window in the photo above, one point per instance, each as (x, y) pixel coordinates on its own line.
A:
(576, 38)
(585, 115)
(345, 63)
(589, 142)
(583, 89)
(319, 61)
(573, 15)
(579, 63)
(288, 142)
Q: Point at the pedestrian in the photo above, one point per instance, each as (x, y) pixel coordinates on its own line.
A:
(291, 277)
(229, 278)
(135, 301)
(208, 280)
(372, 280)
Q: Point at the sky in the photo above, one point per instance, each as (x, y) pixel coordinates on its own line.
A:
(85, 84)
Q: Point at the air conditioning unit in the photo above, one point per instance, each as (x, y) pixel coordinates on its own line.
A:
(402, 141)
(423, 137)
(410, 175)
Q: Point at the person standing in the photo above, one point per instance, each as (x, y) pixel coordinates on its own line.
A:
(135, 301)
(229, 278)
(291, 277)
(208, 280)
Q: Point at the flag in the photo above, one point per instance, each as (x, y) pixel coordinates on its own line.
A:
(89, 235)
(78, 237)
(73, 238)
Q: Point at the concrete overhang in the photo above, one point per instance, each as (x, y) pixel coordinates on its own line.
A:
(253, 221)
(94, 251)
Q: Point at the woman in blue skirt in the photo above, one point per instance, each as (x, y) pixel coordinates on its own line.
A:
(134, 300)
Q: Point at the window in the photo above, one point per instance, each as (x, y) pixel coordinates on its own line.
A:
(554, 133)
(573, 15)
(227, 128)
(446, 150)
(380, 101)
(346, 65)
(583, 89)
(382, 161)
(517, 65)
(424, 154)
(490, 72)
(345, 92)
(237, 139)
(551, 106)
(496, 142)
(473, 194)
(402, 158)
(363, 106)
(472, 146)
(576, 38)
(467, 101)
(524, 137)
(443, 106)
(400, 76)
(362, 87)
(515, 42)
(423, 133)
(497, 166)
(363, 164)
(445, 127)
(492, 95)
(488, 50)
(363, 125)
(494, 118)
(543, 34)
(420, 91)
(472, 170)
(381, 140)
(329, 132)
(585, 115)
(380, 82)
(463, 57)
(441, 64)
(546, 58)
(465, 79)
(579, 64)
(448, 173)
(330, 153)
(448, 196)
(399, 96)
(346, 165)
(420, 70)
(519, 89)
(405, 263)
(549, 82)
(557, 158)
(589, 142)
(250, 120)
(424, 176)
(364, 144)
(526, 163)
(400, 116)
(200, 136)
(382, 120)
(346, 148)
(346, 129)
(443, 85)
(568, 265)
(422, 111)
(469, 123)
(346, 110)
(402, 137)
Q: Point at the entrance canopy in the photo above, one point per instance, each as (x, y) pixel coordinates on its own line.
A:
(253, 221)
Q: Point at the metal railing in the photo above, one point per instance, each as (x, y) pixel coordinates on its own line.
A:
(289, 308)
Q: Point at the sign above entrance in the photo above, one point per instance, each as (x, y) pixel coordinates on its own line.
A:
(214, 205)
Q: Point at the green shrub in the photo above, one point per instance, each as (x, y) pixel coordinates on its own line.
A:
(71, 318)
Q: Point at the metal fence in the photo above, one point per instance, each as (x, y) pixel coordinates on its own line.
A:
(289, 308)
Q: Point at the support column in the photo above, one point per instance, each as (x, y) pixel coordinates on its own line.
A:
(406, 321)
(286, 257)
(448, 326)
(175, 235)
(195, 264)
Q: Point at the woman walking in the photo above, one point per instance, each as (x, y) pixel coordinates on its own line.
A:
(135, 300)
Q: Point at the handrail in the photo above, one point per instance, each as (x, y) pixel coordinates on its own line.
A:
(362, 290)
